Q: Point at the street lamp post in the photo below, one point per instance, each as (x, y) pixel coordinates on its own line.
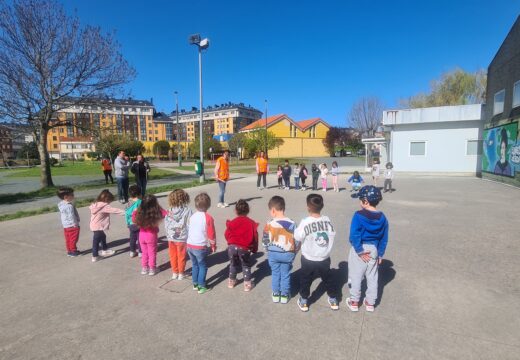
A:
(266, 129)
(201, 44)
(179, 155)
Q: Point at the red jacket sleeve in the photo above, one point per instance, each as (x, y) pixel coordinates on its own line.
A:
(210, 228)
(227, 232)
(254, 247)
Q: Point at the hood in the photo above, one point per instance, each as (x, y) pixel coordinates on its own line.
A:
(373, 221)
(178, 214)
(97, 207)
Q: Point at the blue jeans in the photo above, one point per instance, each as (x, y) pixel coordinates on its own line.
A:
(122, 188)
(297, 183)
(281, 265)
(222, 187)
(198, 266)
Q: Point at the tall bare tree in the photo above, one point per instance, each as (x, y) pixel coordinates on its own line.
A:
(49, 62)
(366, 115)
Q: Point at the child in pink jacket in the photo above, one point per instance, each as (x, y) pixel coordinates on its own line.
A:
(148, 216)
(100, 221)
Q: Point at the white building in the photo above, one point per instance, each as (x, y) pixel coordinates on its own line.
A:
(438, 139)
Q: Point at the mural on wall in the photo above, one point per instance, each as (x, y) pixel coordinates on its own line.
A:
(501, 152)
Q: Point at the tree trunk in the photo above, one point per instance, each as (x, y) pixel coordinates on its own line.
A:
(45, 167)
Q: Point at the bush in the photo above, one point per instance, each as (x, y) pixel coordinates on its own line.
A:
(53, 161)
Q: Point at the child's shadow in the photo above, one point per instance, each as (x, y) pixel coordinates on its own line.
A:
(217, 259)
(386, 275)
(262, 268)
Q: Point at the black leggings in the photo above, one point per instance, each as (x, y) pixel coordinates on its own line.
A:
(239, 257)
(99, 238)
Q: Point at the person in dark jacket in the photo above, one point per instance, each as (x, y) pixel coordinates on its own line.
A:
(140, 169)
(286, 175)
(315, 176)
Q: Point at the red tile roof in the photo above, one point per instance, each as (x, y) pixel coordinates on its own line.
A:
(261, 122)
(304, 124)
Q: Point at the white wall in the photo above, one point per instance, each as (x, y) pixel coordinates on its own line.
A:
(445, 146)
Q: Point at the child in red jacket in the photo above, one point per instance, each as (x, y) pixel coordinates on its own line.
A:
(242, 238)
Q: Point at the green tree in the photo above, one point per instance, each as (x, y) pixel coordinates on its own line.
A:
(110, 145)
(161, 148)
(456, 87)
(260, 140)
(237, 141)
(28, 150)
(332, 139)
(209, 142)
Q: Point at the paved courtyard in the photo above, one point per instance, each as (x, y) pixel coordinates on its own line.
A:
(449, 287)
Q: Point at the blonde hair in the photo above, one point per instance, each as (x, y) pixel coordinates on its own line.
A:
(178, 198)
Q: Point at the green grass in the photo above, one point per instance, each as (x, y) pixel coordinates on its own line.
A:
(87, 201)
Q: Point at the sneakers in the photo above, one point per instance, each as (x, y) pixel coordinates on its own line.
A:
(352, 305)
(333, 303)
(202, 289)
(107, 252)
(73, 253)
(225, 204)
(174, 276)
(248, 285)
(276, 298)
(231, 283)
(152, 271)
(195, 287)
(133, 254)
(144, 271)
(180, 276)
(95, 259)
(220, 205)
(284, 299)
(302, 304)
(368, 307)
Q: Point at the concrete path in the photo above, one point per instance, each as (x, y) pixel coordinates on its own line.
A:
(449, 287)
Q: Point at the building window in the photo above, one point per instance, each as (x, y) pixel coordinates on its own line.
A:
(55, 146)
(516, 94)
(54, 138)
(498, 106)
(474, 147)
(417, 148)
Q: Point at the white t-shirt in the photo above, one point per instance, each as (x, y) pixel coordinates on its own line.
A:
(317, 237)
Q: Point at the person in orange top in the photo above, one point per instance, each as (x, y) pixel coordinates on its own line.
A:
(222, 176)
(107, 170)
(262, 168)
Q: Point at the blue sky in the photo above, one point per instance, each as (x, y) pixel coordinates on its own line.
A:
(307, 58)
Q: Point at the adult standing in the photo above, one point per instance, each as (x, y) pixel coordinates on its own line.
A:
(122, 164)
(222, 176)
(107, 169)
(140, 169)
(262, 167)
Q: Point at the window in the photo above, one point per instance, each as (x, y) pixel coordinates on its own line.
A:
(54, 138)
(474, 147)
(516, 94)
(55, 146)
(417, 148)
(498, 106)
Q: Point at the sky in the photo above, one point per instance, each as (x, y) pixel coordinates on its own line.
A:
(306, 58)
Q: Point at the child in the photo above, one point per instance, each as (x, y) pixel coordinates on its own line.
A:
(316, 172)
(286, 174)
(368, 237)
(242, 238)
(69, 220)
(135, 200)
(375, 171)
(316, 234)
(279, 176)
(355, 181)
(100, 212)
(334, 171)
(389, 176)
(323, 174)
(296, 175)
(303, 175)
(278, 239)
(176, 226)
(201, 230)
(147, 216)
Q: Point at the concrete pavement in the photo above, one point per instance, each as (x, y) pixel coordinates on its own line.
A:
(449, 287)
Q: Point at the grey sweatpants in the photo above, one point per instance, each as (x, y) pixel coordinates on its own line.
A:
(357, 269)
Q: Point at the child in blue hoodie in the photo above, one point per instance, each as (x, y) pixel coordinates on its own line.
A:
(135, 200)
(368, 237)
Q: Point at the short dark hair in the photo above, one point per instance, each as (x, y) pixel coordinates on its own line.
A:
(105, 196)
(64, 191)
(134, 191)
(296, 164)
(242, 207)
(315, 203)
(225, 151)
(202, 202)
(277, 202)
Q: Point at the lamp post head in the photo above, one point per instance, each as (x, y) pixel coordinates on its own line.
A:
(194, 39)
(204, 43)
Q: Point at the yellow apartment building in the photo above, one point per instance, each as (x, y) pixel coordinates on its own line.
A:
(300, 138)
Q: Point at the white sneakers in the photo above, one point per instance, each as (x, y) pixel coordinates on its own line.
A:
(107, 252)
(174, 276)
(222, 205)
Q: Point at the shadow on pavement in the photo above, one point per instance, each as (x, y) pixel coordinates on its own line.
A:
(386, 275)
(248, 199)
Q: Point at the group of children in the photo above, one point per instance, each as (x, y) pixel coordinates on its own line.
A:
(193, 233)
(320, 172)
